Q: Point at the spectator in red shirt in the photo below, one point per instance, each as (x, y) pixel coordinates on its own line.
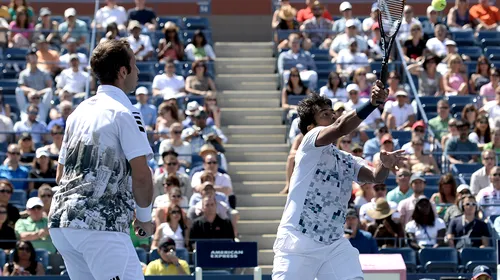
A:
(486, 17)
(305, 14)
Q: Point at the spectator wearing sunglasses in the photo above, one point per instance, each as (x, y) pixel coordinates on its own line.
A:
(11, 169)
(491, 194)
(417, 129)
(175, 227)
(467, 230)
(480, 179)
(170, 166)
(24, 261)
(57, 133)
(455, 210)
(222, 181)
(372, 146)
(45, 193)
(32, 126)
(65, 108)
(42, 168)
(7, 234)
(34, 228)
(175, 142)
(6, 189)
(173, 196)
(461, 144)
(201, 133)
(168, 263)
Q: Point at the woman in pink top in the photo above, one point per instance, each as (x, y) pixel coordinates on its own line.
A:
(21, 30)
(488, 90)
(455, 83)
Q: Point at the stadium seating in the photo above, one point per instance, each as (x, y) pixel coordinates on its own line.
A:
(18, 198)
(194, 23)
(492, 53)
(471, 51)
(142, 254)
(409, 256)
(8, 86)
(439, 259)
(465, 168)
(164, 19)
(472, 257)
(15, 54)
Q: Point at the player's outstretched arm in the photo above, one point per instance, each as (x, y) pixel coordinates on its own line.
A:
(349, 121)
(388, 160)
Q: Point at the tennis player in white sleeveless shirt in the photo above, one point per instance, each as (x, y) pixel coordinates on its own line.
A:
(310, 242)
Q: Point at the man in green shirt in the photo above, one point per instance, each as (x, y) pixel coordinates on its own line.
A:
(34, 228)
(439, 124)
(403, 190)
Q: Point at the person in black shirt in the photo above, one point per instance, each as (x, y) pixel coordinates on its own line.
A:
(467, 230)
(144, 15)
(6, 189)
(42, 168)
(210, 225)
(7, 234)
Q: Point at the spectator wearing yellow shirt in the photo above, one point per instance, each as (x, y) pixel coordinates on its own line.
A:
(168, 263)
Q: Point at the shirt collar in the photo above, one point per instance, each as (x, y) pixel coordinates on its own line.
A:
(115, 93)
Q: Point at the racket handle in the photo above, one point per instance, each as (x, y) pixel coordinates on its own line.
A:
(383, 77)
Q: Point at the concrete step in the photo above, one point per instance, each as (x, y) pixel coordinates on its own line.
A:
(261, 199)
(249, 157)
(243, 50)
(244, 69)
(266, 269)
(254, 129)
(261, 187)
(266, 257)
(257, 166)
(245, 61)
(252, 120)
(246, 81)
(251, 94)
(261, 213)
(244, 148)
(264, 241)
(249, 102)
(259, 45)
(258, 226)
(229, 113)
(257, 139)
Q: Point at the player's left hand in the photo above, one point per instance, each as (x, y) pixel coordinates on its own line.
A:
(392, 159)
(379, 93)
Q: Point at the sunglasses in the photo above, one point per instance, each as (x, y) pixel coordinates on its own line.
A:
(172, 163)
(470, 110)
(167, 249)
(14, 153)
(444, 108)
(3, 212)
(169, 184)
(417, 144)
(211, 162)
(346, 141)
(6, 191)
(419, 130)
(176, 196)
(415, 29)
(38, 207)
(33, 112)
(25, 249)
(379, 189)
(362, 74)
(45, 195)
(485, 158)
(294, 75)
(175, 212)
(211, 99)
(35, 97)
(404, 175)
(470, 204)
(496, 175)
(57, 133)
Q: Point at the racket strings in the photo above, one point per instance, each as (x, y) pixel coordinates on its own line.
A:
(391, 12)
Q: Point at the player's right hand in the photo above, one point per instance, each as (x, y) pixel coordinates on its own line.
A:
(143, 229)
(379, 93)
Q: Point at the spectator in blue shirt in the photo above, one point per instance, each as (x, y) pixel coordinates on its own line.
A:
(360, 239)
(148, 111)
(12, 170)
(66, 108)
(372, 146)
(461, 144)
(73, 28)
(36, 128)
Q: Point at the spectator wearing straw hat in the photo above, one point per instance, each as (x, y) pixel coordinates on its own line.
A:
(380, 192)
(140, 44)
(384, 226)
(286, 19)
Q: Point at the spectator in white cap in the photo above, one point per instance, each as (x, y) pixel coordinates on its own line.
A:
(73, 78)
(399, 114)
(354, 100)
(48, 27)
(433, 20)
(339, 25)
(342, 41)
(369, 21)
(480, 178)
(140, 44)
(168, 83)
(42, 168)
(72, 48)
(350, 59)
(148, 111)
(408, 21)
(34, 228)
(110, 13)
(73, 28)
(455, 210)
(201, 133)
(407, 205)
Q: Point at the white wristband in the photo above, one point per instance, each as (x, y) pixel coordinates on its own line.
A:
(143, 214)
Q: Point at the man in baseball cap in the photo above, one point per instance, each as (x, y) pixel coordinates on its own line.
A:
(481, 272)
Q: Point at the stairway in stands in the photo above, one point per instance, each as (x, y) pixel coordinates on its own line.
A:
(256, 150)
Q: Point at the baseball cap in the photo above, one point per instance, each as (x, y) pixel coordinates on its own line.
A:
(351, 213)
(345, 6)
(73, 56)
(352, 41)
(192, 107)
(41, 152)
(33, 202)
(338, 105)
(431, 9)
(134, 24)
(349, 23)
(165, 242)
(352, 87)
(386, 137)
(45, 12)
(415, 177)
(41, 39)
(419, 123)
(450, 43)
(25, 136)
(70, 12)
(463, 187)
(401, 93)
(481, 270)
(71, 40)
(374, 7)
(141, 90)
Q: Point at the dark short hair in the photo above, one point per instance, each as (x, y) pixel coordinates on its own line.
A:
(107, 59)
(308, 108)
(170, 152)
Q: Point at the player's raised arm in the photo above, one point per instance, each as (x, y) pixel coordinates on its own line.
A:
(388, 160)
(349, 121)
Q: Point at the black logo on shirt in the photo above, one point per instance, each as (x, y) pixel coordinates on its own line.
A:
(137, 117)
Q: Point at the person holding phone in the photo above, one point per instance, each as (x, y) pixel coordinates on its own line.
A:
(168, 263)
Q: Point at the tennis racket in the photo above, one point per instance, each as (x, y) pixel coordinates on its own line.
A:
(390, 15)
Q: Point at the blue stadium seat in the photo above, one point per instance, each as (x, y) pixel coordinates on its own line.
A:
(196, 161)
(33, 193)
(3, 257)
(458, 102)
(492, 53)
(409, 256)
(132, 98)
(320, 54)
(18, 197)
(153, 255)
(215, 272)
(194, 23)
(15, 53)
(472, 257)
(160, 68)
(86, 19)
(43, 257)
(439, 259)
(8, 86)
(465, 168)
(403, 136)
(197, 98)
(142, 254)
(162, 20)
(459, 35)
(295, 99)
(473, 52)
(9, 71)
(488, 35)
(490, 42)
(430, 181)
(430, 190)
(146, 71)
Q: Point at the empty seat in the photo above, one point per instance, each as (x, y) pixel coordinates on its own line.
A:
(473, 52)
(18, 197)
(198, 98)
(320, 54)
(15, 53)
(42, 256)
(461, 35)
(490, 42)
(162, 20)
(439, 259)
(472, 257)
(409, 256)
(295, 99)
(154, 255)
(492, 53)
(403, 136)
(142, 254)
(8, 86)
(488, 35)
(465, 168)
(194, 23)
(146, 71)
